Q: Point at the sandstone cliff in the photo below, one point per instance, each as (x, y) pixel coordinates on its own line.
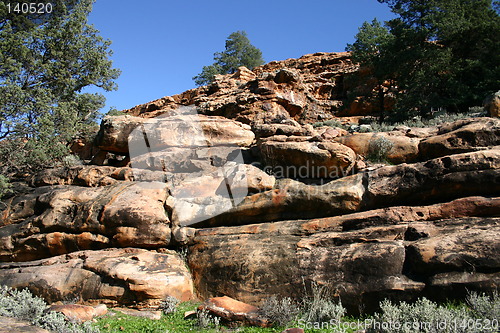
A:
(262, 203)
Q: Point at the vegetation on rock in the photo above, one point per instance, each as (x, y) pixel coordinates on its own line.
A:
(239, 52)
(46, 62)
(439, 54)
(23, 305)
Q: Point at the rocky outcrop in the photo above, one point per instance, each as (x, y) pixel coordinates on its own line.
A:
(61, 219)
(173, 131)
(362, 257)
(307, 89)
(461, 136)
(290, 157)
(214, 180)
(126, 276)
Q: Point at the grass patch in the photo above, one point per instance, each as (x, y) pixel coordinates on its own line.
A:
(169, 323)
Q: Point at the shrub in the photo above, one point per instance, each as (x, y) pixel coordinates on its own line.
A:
(320, 308)
(280, 311)
(4, 186)
(71, 161)
(378, 149)
(169, 305)
(24, 306)
(205, 320)
(484, 306)
(426, 316)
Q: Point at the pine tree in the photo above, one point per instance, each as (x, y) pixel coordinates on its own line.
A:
(238, 52)
(442, 54)
(46, 60)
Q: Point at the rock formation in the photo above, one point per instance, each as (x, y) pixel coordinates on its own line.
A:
(258, 202)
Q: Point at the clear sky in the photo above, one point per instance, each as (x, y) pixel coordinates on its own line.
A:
(159, 45)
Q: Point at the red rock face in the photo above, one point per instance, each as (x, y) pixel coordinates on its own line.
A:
(308, 89)
(423, 224)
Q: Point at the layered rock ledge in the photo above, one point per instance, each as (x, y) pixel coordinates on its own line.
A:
(248, 200)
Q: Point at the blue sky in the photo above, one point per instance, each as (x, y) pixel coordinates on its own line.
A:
(159, 45)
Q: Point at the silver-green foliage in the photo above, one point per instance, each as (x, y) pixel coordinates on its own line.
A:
(484, 306)
(379, 148)
(280, 311)
(169, 305)
(205, 320)
(316, 308)
(24, 306)
(321, 308)
(429, 317)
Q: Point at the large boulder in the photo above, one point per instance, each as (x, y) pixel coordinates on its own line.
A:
(295, 159)
(461, 136)
(361, 257)
(398, 149)
(114, 276)
(234, 312)
(436, 180)
(61, 219)
(178, 130)
(82, 175)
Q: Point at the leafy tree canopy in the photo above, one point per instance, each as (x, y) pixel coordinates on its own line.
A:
(442, 54)
(46, 61)
(238, 52)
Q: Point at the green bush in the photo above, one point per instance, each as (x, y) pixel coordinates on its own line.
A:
(320, 308)
(24, 306)
(427, 316)
(169, 305)
(378, 149)
(4, 186)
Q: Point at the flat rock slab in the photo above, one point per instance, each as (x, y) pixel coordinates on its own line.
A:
(80, 313)
(13, 325)
(153, 315)
(234, 311)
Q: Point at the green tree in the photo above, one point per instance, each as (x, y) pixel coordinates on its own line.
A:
(370, 49)
(238, 52)
(46, 62)
(442, 54)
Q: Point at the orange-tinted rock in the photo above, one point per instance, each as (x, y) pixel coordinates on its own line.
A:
(461, 136)
(307, 159)
(123, 214)
(403, 149)
(122, 276)
(308, 88)
(164, 132)
(79, 313)
(293, 330)
(361, 256)
(234, 312)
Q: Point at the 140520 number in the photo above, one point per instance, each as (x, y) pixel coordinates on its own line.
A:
(30, 8)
